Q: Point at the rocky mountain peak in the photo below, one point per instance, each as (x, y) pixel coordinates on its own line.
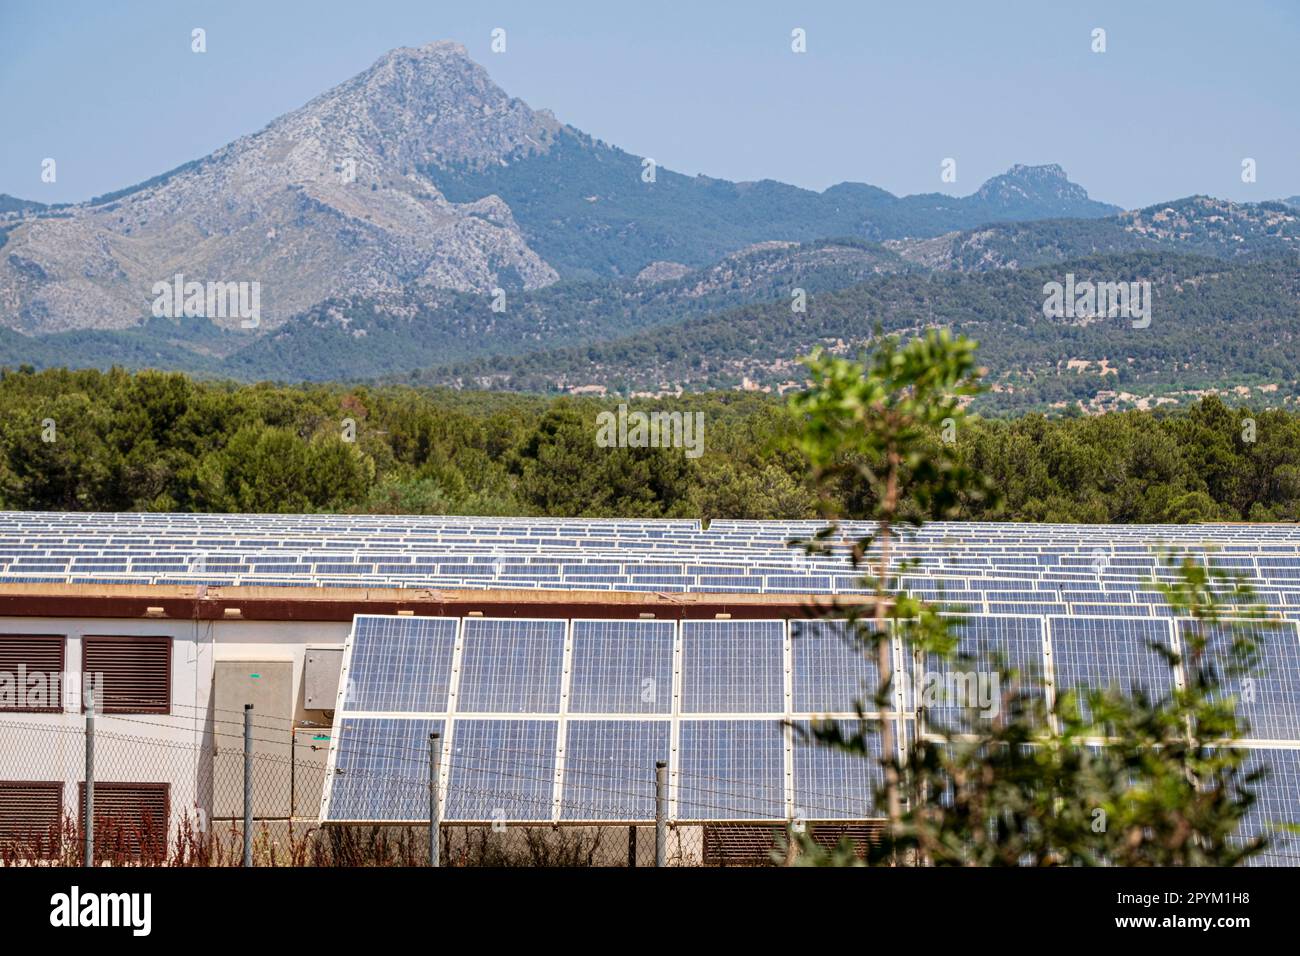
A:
(425, 105)
(1023, 183)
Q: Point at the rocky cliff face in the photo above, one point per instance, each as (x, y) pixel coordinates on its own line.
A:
(326, 200)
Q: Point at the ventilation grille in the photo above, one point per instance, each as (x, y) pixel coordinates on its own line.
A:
(23, 656)
(739, 844)
(31, 816)
(136, 672)
(130, 818)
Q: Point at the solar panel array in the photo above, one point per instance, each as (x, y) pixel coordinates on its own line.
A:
(569, 729)
(987, 568)
(554, 721)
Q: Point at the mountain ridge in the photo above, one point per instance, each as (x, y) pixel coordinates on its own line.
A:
(386, 184)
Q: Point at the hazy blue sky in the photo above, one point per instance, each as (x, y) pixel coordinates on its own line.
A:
(1184, 92)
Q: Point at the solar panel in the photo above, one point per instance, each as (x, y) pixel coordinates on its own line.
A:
(622, 667)
(511, 666)
(731, 770)
(733, 667)
(609, 768)
(1107, 652)
(832, 667)
(501, 770)
(950, 689)
(834, 784)
(399, 664)
(1268, 698)
(1277, 804)
(381, 769)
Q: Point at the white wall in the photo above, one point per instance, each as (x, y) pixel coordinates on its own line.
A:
(173, 748)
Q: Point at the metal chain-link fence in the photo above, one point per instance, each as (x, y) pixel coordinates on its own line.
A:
(171, 795)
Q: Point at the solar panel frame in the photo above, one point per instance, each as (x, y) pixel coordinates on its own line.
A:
(751, 667)
(1079, 652)
(532, 681)
(602, 682)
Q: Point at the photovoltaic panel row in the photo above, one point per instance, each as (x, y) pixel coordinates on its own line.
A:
(400, 664)
(507, 769)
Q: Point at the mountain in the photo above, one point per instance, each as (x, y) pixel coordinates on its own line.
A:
(326, 199)
(360, 338)
(585, 207)
(421, 177)
(12, 204)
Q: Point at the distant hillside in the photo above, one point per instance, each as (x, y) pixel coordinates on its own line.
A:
(14, 204)
(1197, 224)
(361, 338)
(1215, 325)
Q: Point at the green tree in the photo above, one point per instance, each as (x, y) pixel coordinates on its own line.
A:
(875, 425)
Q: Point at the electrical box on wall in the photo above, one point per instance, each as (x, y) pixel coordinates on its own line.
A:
(320, 677)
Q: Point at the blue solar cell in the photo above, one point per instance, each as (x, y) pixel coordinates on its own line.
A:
(502, 770)
(622, 667)
(1268, 698)
(831, 783)
(1099, 652)
(832, 669)
(732, 667)
(511, 666)
(381, 769)
(1277, 804)
(731, 770)
(949, 690)
(609, 768)
(400, 664)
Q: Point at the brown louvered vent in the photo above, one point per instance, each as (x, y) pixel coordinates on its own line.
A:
(742, 844)
(130, 818)
(32, 669)
(31, 817)
(136, 671)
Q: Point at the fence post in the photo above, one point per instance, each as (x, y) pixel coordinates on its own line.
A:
(435, 758)
(661, 813)
(88, 858)
(248, 785)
